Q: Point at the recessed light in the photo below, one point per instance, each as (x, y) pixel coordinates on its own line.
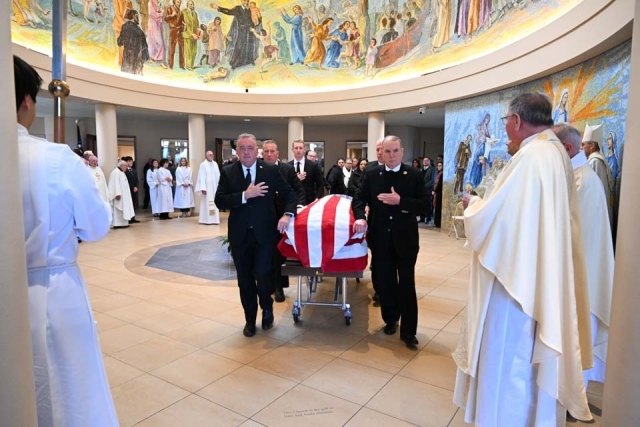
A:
(247, 120)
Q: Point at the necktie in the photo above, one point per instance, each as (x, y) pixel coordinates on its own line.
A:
(247, 178)
(298, 168)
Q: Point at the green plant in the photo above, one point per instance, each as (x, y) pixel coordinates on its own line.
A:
(224, 240)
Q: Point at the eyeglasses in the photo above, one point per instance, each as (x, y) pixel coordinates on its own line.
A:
(505, 119)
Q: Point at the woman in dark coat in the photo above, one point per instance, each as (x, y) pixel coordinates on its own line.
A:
(356, 176)
(437, 200)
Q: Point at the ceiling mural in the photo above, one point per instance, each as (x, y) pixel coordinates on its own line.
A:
(279, 46)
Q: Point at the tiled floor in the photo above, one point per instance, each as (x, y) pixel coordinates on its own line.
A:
(175, 354)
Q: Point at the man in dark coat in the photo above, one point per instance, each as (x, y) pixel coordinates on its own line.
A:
(134, 43)
(245, 44)
(248, 189)
(308, 173)
(132, 178)
(395, 194)
(429, 176)
(270, 153)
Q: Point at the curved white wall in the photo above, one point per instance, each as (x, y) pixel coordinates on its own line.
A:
(588, 30)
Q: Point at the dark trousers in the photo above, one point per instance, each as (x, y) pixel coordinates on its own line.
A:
(279, 280)
(134, 199)
(175, 36)
(428, 214)
(147, 196)
(254, 266)
(397, 287)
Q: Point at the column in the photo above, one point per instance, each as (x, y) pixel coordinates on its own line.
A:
(375, 132)
(196, 149)
(296, 131)
(17, 390)
(107, 137)
(622, 386)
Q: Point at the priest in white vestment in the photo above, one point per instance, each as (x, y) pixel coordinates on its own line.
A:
(152, 182)
(120, 196)
(61, 203)
(207, 185)
(526, 336)
(598, 247)
(591, 145)
(164, 196)
(98, 176)
(183, 198)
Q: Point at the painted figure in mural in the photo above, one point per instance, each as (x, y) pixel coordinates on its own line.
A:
(175, 19)
(220, 73)
(280, 36)
(561, 112)
(443, 34)
(612, 156)
(461, 18)
(204, 38)
(382, 30)
(155, 38)
(479, 14)
(370, 59)
(256, 16)
(297, 47)
(338, 38)
(317, 51)
(391, 34)
(462, 162)
(144, 14)
(134, 44)
(477, 166)
(270, 50)
(354, 38)
(245, 45)
(191, 34)
(120, 8)
(216, 41)
(24, 14)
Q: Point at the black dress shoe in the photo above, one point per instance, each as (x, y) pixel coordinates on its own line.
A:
(376, 297)
(279, 295)
(267, 319)
(115, 227)
(410, 340)
(390, 328)
(249, 329)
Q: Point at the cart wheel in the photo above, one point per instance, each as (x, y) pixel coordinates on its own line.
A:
(296, 318)
(347, 320)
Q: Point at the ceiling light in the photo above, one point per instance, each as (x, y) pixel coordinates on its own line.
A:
(247, 120)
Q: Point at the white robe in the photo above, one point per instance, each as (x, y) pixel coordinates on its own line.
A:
(184, 195)
(526, 237)
(153, 190)
(208, 177)
(165, 196)
(101, 182)
(599, 164)
(71, 386)
(122, 209)
(598, 250)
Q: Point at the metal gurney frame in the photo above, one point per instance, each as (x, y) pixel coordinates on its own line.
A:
(293, 267)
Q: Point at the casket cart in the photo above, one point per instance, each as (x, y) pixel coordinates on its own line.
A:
(320, 242)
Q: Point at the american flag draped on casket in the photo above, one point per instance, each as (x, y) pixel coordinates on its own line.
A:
(321, 236)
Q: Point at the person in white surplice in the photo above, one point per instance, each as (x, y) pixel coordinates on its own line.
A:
(61, 202)
(591, 143)
(183, 199)
(526, 336)
(598, 247)
(120, 196)
(165, 186)
(207, 185)
(153, 186)
(98, 176)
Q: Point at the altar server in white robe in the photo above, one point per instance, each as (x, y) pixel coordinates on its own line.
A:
(207, 185)
(598, 247)
(165, 186)
(526, 336)
(120, 196)
(152, 182)
(591, 143)
(98, 176)
(183, 198)
(61, 202)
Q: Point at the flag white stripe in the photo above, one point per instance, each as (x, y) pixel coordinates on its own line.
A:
(314, 233)
(357, 250)
(342, 228)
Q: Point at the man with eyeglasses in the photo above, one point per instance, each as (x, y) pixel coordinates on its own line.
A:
(526, 337)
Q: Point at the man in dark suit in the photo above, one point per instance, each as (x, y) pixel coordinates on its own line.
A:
(429, 177)
(308, 173)
(248, 189)
(395, 194)
(270, 154)
(132, 177)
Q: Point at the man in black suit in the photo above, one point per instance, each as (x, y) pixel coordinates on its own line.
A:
(395, 194)
(270, 154)
(429, 177)
(132, 177)
(308, 173)
(248, 189)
